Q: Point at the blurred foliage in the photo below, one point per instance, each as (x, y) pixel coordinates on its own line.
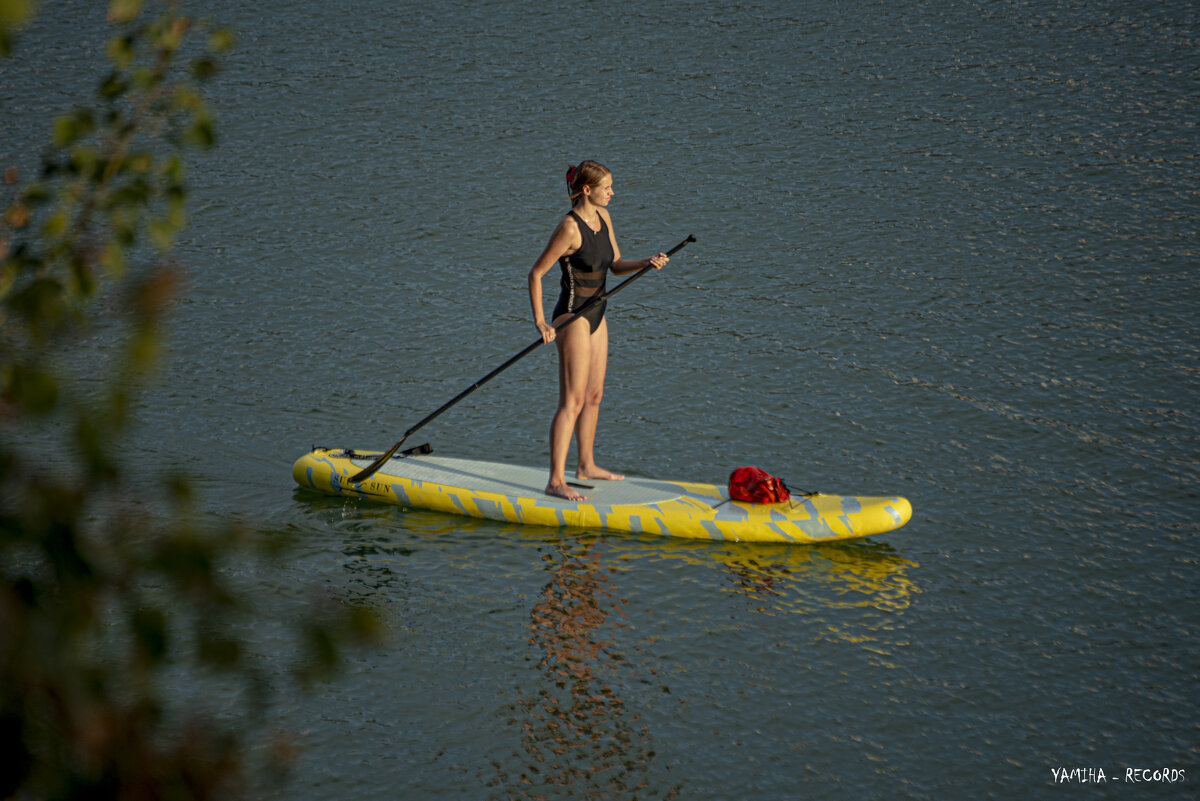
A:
(108, 607)
(13, 14)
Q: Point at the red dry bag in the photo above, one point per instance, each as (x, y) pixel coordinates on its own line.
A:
(752, 485)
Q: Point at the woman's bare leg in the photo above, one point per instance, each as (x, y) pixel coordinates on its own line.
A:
(574, 367)
(589, 414)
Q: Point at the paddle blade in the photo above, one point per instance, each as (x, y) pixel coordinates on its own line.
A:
(370, 470)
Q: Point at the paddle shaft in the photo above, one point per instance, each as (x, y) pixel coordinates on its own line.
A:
(370, 470)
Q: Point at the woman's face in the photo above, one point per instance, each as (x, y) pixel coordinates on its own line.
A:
(601, 193)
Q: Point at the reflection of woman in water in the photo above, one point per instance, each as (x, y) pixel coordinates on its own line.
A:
(585, 247)
(577, 732)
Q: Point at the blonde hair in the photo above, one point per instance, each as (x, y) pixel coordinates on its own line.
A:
(588, 173)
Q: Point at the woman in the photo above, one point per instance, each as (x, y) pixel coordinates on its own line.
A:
(585, 247)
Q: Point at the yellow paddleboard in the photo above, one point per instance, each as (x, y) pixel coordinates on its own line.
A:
(670, 508)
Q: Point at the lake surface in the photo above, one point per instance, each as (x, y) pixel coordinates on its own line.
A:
(947, 250)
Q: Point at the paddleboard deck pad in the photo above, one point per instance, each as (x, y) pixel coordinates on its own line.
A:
(639, 505)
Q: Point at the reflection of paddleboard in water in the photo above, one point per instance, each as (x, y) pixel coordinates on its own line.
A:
(672, 508)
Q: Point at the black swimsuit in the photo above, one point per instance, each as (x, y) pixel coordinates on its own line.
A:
(583, 273)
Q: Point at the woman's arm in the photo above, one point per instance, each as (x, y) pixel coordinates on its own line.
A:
(564, 241)
(622, 266)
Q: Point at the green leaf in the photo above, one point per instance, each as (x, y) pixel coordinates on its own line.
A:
(122, 11)
(221, 41)
(120, 51)
(139, 163)
(144, 78)
(36, 194)
(124, 224)
(13, 15)
(169, 35)
(162, 234)
(177, 209)
(42, 303)
(144, 351)
(204, 69)
(69, 128)
(56, 226)
(8, 276)
(112, 258)
(114, 86)
(201, 133)
(32, 389)
(172, 168)
(186, 99)
(85, 161)
(83, 283)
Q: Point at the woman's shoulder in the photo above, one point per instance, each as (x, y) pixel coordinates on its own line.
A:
(568, 227)
(569, 223)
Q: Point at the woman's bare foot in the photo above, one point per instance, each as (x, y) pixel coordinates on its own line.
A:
(600, 473)
(564, 491)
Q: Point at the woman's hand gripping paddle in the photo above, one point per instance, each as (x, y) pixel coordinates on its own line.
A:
(371, 469)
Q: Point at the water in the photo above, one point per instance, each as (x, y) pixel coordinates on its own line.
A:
(946, 250)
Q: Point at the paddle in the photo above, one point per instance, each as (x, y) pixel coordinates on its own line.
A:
(370, 470)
